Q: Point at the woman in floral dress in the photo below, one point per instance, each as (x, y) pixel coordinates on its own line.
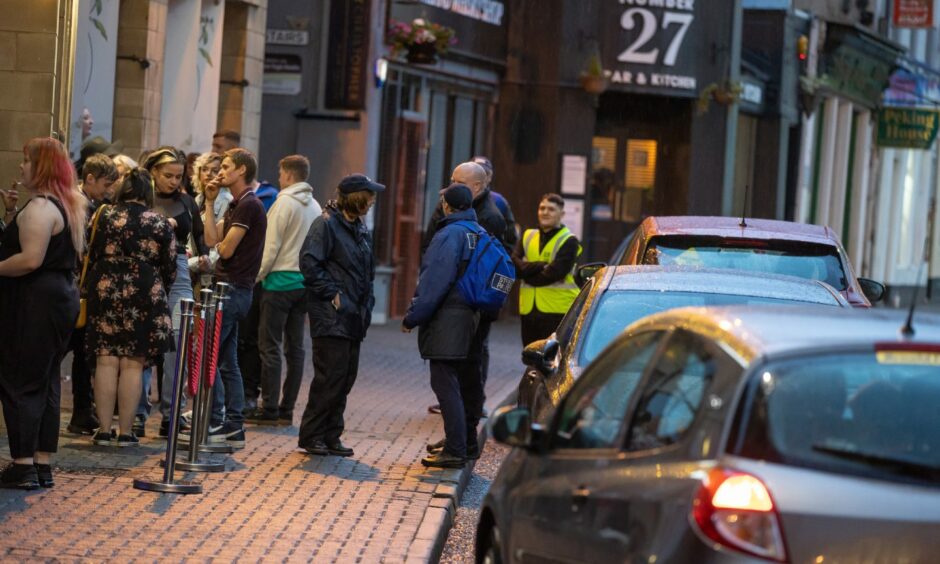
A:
(132, 264)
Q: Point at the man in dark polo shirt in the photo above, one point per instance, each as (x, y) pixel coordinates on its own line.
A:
(239, 240)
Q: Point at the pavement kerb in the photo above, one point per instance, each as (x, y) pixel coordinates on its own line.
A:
(428, 544)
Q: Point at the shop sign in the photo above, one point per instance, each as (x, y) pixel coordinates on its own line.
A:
(348, 62)
(913, 13)
(651, 48)
(912, 85)
(856, 67)
(288, 37)
(488, 11)
(907, 128)
(282, 74)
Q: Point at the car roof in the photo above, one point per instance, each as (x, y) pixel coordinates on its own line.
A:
(755, 331)
(718, 281)
(731, 227)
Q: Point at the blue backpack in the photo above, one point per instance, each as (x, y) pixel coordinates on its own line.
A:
(489, 276)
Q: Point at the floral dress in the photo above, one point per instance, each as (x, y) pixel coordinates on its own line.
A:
(132, 264)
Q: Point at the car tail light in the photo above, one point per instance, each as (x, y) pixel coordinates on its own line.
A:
(736, 510)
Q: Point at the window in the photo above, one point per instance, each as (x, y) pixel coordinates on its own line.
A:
(672, 394)
(565, 329)
(592, 414)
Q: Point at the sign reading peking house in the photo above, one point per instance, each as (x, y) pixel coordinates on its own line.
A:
(652, 46)
(907, 128)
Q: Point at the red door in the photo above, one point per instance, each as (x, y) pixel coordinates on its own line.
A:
(409, 206)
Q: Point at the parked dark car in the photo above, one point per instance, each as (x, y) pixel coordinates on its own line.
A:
(732, 435)
(761, 245)
(616, 297)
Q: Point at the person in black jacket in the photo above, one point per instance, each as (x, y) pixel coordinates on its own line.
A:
(338, 266)
(447, 334)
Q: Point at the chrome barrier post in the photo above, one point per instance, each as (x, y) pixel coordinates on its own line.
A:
(167, 485)
(192, 463)
(211, 369)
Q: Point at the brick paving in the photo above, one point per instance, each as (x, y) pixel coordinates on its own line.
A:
(274, 502)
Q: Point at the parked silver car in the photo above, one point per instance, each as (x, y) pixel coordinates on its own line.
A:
(732, 435)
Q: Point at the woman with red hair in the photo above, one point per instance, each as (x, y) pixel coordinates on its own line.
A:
(38, 305)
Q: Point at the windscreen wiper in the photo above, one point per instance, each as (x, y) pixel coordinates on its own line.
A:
(909, 467)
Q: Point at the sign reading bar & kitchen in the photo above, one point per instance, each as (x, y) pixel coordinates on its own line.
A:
(651, 47)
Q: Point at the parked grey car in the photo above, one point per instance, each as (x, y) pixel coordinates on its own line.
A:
(615, 297)
(732, 435)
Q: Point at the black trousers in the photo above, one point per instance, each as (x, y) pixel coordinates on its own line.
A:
(82, 394)
(282, 327)
(537, 325)
(458, 386)
(249, 357)
(335, 365)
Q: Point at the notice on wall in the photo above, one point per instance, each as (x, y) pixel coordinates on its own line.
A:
(913, 13)
(574, 217)
(282, 74)
(487, 11)
(296, 37)
(573, 174)
(907, 128)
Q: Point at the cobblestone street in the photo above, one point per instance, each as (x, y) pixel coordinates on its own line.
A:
(274, 502)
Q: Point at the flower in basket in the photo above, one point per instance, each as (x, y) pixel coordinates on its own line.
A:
(420, 34)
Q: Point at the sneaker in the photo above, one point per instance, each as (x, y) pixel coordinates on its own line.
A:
(83, 423)
(139, 425)
(103, 438)
(261, 417)
(216, 435)
(435, 409)
(443, 459)
(127, 440)
(22, 476)
(165, 429)
(236, 438)
(44, 473)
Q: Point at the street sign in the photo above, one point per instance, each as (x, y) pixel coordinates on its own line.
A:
(913, 13)
(907, 128)
(288, 37)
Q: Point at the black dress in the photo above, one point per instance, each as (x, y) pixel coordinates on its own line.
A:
(38, 312)
(132, 264)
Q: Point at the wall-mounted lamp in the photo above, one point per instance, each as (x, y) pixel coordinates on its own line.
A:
(144, 63)
(381, 71)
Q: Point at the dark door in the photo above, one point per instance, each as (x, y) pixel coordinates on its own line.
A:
(409, 207)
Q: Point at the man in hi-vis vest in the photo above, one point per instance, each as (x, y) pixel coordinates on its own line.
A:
(545, 261)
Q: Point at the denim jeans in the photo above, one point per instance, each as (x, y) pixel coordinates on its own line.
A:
(228, 393)
(182, 288)
(282, 326)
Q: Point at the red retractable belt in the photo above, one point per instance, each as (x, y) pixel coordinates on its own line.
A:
(214, 358)
(195, 357)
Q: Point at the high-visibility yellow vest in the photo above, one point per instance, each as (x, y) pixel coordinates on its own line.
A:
(554, 298)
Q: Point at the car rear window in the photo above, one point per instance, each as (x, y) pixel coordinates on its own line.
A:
(619, 308)
(869, 414)
(803, 260)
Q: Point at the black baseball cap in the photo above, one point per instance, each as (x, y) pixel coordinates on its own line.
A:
(458, 196)
(358, 183)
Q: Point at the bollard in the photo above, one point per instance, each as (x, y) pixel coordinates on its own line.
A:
(193, 463)
(167, 485)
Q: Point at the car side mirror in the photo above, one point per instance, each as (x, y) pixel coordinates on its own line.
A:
(542, 355)
(874, 291)
(512, 426)
(587, 271)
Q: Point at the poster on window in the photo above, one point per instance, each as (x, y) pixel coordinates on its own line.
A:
(913, 13)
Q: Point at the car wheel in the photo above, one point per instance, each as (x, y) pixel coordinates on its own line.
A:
(492, 551)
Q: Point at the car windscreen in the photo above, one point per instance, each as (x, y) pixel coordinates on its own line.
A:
(870, 414)
(619, 308)
(793, 258)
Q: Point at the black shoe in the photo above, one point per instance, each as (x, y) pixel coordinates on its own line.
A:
(22, 476)
(317, 447)
(436, 447)
(165, 429)
(83, 423)
(235, 438)
(261, 417)
(285, 418)
(127, 440)
(473, 451)
(337, 448)
(443, 459)
(138, 427)
(44, 473)
(103, 438)
(216, 435)
(435, 409)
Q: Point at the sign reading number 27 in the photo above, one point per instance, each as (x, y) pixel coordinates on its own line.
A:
(640, 51)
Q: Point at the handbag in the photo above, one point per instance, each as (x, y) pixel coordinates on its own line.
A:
(82, 302)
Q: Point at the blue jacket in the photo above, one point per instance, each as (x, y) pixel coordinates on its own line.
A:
(267, 194)
(447, 323)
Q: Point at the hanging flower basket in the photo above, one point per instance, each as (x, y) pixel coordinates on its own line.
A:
(421, 41)
(593, 84)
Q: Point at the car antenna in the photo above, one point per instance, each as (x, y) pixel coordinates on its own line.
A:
(908, 329)
(747, 189)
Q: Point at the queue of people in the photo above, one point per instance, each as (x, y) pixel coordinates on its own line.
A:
(133, 241)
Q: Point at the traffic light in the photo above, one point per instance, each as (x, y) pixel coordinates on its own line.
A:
(802, 48)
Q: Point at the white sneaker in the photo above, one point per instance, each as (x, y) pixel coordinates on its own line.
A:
(216, 435)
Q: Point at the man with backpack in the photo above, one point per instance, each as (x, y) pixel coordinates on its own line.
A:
(463, 271)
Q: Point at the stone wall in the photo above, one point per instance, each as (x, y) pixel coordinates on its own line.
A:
(243, 39)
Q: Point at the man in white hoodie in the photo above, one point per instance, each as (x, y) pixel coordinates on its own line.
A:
(283, 301)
